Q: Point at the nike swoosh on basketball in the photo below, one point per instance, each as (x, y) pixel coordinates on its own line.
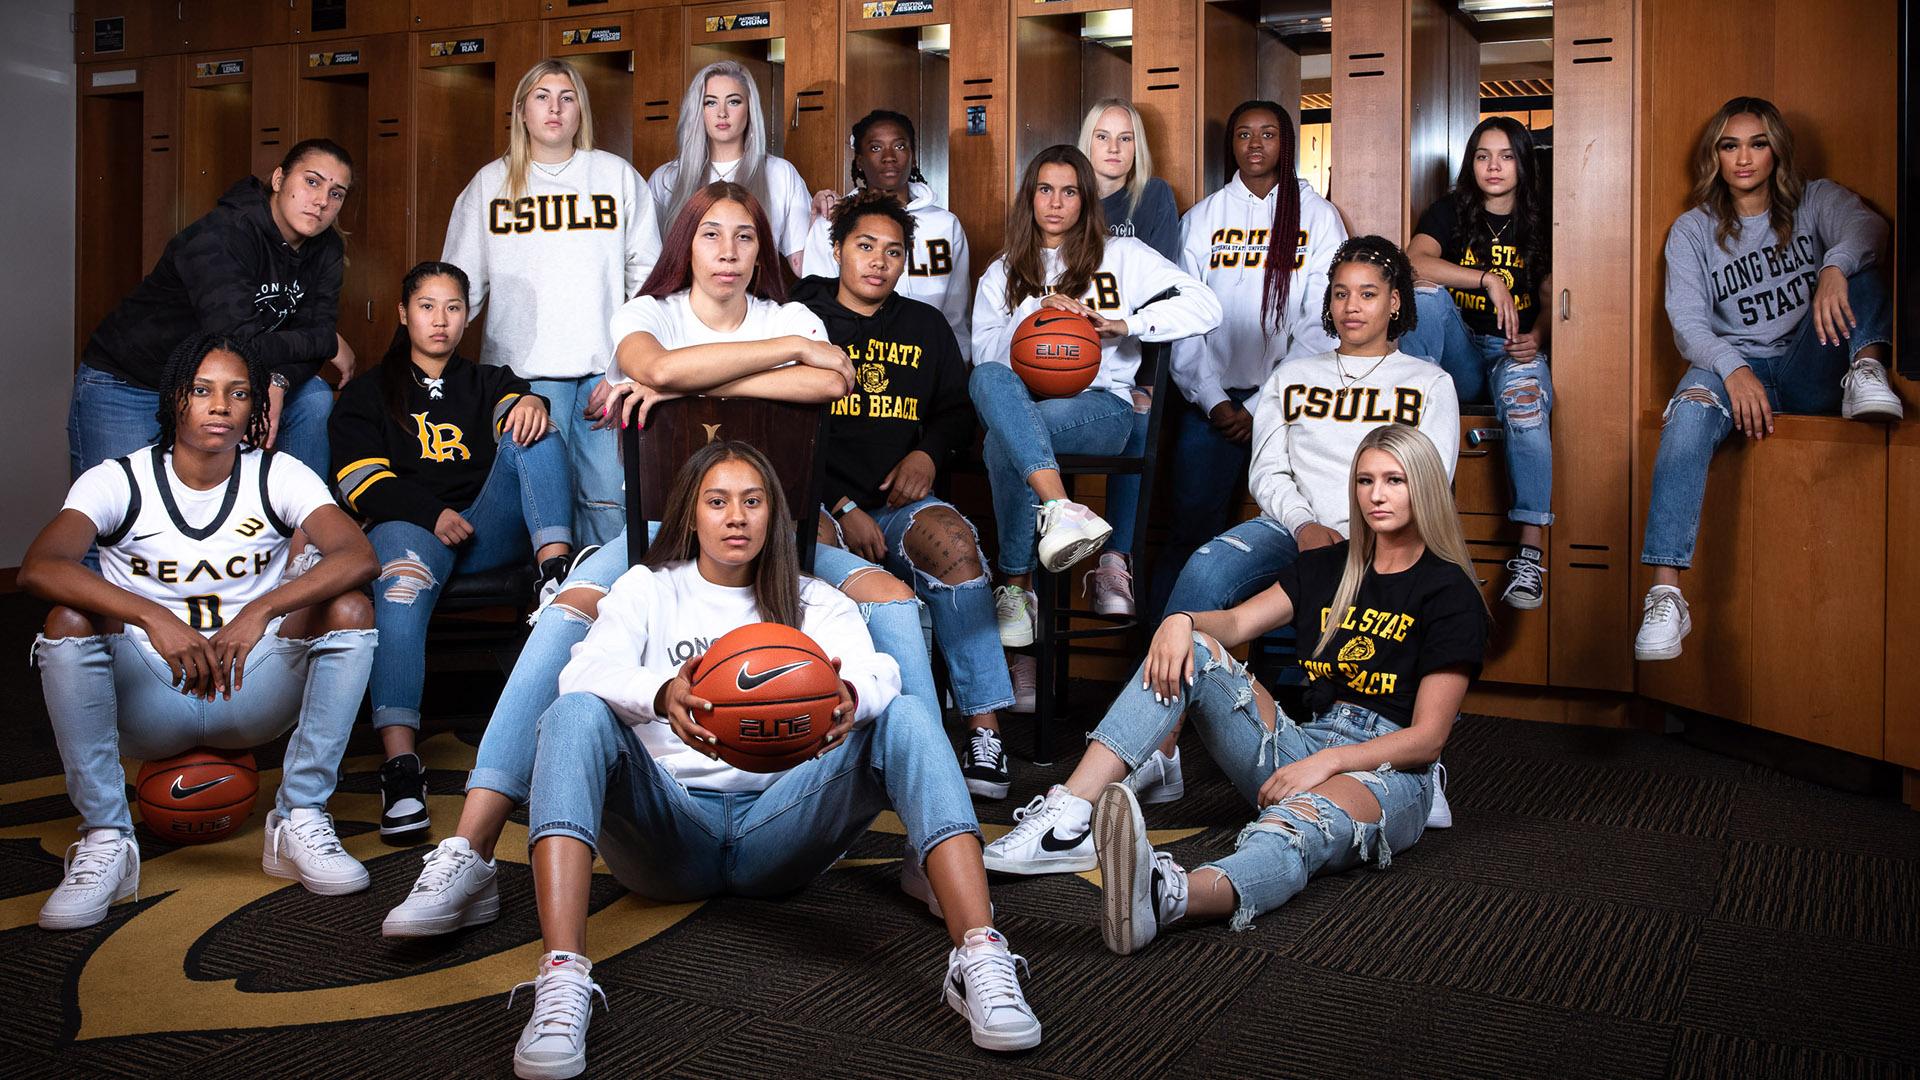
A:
(1052, 841)
(179, 792)
(1038, 323)
(747, 680)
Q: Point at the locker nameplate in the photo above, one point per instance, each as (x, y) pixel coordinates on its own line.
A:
(110, 35)
(887, 9)
(341, 58)
(746, 20)
(594, 35)
(216, 69)
(462, 47)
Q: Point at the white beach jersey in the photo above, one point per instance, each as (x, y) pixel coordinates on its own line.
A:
(204, 573)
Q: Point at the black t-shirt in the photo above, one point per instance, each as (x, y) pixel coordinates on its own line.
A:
(1399, 628)
(1492, 248)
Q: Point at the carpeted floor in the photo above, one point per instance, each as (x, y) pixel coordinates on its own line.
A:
(1609, 905)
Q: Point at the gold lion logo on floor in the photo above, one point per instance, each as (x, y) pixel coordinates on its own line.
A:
(1357, 651)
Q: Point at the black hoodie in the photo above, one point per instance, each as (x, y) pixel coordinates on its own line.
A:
(231, 273)
(910, 391)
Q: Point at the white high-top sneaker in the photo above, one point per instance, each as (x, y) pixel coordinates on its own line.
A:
(983, 985)
(553, 1045)
(1069, 532)
(101, 869)
(1054, 836)
(1141, 890)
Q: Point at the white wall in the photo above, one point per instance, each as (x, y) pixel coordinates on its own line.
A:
(37, 126)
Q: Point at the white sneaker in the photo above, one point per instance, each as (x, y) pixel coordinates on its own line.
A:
(1054, 836)
(1140, 889)
(302, 847)
(104, 866)
(455, 888)
(1025, 673)
(1440, 815)
(1018, 616)
(1865, 395)
(1664, 623)
(1069, 532)
(913, 882)
(553, 1045)
(1112, 586)
(1158, 779)
(983, 985)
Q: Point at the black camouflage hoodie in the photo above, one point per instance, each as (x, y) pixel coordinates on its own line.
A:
(229, 272)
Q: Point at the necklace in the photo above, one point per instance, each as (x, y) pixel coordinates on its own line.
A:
(1494, 237)
(1348, 382)
(553, 170)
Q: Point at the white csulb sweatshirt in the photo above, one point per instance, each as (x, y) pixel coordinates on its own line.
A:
(1312, 414)
(1130, 274)
(1223, 242)
(653, 621)
(558, 263)
(938, 266)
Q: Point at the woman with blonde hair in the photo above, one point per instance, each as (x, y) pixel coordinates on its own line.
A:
(1397, 629)
(723, 136)
(562, 234)
(1778, 305)
(1136, 202)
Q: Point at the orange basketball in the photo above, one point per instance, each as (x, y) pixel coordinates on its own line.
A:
(773, 692)
(201, 796)
(1056, 353)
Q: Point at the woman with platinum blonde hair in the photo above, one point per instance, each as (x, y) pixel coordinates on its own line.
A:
(723, 136)
(1397, 628)
(1136, 202)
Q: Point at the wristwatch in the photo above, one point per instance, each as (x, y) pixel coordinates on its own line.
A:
(278, 379)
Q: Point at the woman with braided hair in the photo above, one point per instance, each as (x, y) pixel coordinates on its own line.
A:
(189, 635)
(886, 158)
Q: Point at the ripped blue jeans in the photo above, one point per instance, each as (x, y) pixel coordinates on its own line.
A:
(963, 620)
(1302, 836)
(1521, 393)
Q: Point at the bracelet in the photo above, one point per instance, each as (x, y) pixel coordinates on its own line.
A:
(844, 509)
(1191, 621)
(1483, 281)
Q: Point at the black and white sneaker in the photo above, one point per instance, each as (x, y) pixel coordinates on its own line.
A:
(1526, 580)
(985, 765)
(1054, 836)
(551, 585)
(983, 985)
(403, 796)
(1141, 890)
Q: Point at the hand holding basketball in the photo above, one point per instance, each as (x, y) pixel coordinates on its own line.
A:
(775, 697)
(677, 702)
(843, 714)
(1056, 349)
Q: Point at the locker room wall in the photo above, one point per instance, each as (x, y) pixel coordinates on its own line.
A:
(36, 294)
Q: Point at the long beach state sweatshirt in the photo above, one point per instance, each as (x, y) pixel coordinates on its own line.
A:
(1749, 298)
(1223, 242)
(557, 263)
(1130, 273)
(939, 271)
(1310, 419)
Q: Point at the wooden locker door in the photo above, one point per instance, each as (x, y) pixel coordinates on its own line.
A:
(1166, 90)
(389, 167)
(160, 178)
(439, 14)
(273, 71)
(815, 138)
(113, 30)
(200, 25)
(1594, 614)
(979, 118)
(318, 20)
(659, 81)
(1369, 117)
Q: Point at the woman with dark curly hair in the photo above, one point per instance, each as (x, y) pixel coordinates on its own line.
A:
(1308, 420)
(1485, 249)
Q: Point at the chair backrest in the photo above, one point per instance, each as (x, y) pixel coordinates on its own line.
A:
(790, 435)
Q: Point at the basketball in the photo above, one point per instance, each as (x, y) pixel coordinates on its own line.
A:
(199, 797)
(773, 692)
(1056, 353)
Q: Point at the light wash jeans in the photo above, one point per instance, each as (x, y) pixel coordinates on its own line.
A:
(1480, 368)
(1211, 469)
(667, 842)
(110, 417)
(963, 621)
(1233, 566)
(504, 762)
(600, 507)
(1299, 837)
(1023, 435)
(524, 506)
(112, 695)
(1804, 379)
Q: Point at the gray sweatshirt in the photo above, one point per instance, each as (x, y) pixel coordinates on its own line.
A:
(1749, 300)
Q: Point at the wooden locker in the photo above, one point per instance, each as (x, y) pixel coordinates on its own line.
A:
(440, 14)
(883, 66)
(1166, 90)
(979, 125)
(1370, 41)
(659, 83)
(319, 20)
(198, 25)
(128, 179)
(1592, 562)
(600, 45)
(463, 83)
(233, 104)
(113, 30)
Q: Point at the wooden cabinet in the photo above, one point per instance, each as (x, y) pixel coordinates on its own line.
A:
(319, 20)
(439, 14)
(128, 178)
(113, 30)
(463, 83)
(979, 122)
(235, 106)
(1517, 643)
(1902, 734)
